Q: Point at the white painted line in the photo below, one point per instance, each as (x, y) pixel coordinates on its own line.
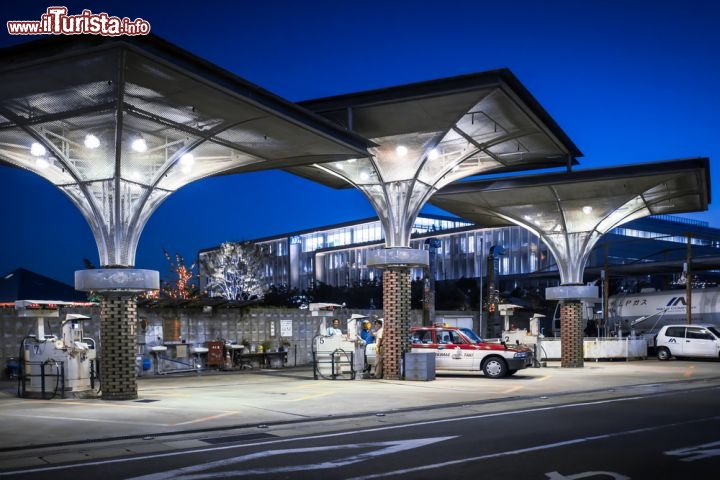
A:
(386, 428)
(374, 450)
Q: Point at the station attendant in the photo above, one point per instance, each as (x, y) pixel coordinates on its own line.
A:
(367, 334)
(378, 355)
(334, 329)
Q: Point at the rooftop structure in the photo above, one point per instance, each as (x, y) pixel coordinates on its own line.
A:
(430, 134)
(571, 211)
(118, 124)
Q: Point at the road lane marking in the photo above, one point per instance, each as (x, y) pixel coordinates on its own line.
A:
(374, 449)
(536, 448)
(697, 452)
(368, 430)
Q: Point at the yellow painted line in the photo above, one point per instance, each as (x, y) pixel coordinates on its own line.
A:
(513, 389)
(308, 397)
(92, 420)
(542, 379)
(307, 385)
(139, 406)
(166, 395)
(205, 419)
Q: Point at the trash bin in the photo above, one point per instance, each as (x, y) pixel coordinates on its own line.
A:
(420, 366)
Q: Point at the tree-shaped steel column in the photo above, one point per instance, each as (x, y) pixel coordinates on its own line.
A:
(426, 136)
(118, 124)
(570, 212)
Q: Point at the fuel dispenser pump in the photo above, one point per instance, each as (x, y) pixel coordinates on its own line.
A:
(339, 356)
(52, 365)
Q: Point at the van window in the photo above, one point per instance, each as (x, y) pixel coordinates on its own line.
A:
(699, 333)
(675, 332)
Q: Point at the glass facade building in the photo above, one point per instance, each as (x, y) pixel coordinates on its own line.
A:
(336, 255)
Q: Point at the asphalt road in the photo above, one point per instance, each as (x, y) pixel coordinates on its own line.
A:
(672, 434)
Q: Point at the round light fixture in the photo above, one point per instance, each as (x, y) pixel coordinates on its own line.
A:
(139, 145)
(91, 141)
(37, 150)
(187, 160)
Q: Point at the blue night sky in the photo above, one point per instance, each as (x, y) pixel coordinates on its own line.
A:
(628, 81)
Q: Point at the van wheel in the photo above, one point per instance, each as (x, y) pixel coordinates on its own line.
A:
(495, 367)
(663, 353)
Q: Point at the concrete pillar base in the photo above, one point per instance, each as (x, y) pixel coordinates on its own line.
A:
(571, 334)
(117, 330)
(396, 306)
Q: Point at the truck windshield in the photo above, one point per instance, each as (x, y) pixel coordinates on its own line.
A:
(472, 336)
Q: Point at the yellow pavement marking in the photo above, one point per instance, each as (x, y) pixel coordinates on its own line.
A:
(141, 406)
(307, 397)
(92, 420)
(157, 393)
(513, 389)
(205, 419)
(307, 385)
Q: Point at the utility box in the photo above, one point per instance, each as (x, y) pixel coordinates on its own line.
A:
(216, 357)
(420, 366)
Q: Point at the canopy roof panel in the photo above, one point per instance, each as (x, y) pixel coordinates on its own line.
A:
(454, 127)
(73, 78)
(120, 123)
(571, 211)
(614, 196)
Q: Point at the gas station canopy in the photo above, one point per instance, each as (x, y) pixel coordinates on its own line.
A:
(592, 199)
(451, 128)
(120, 123)
(571, 211)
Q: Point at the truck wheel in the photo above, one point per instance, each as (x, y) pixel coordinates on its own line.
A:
(663, 353)
(495, 367)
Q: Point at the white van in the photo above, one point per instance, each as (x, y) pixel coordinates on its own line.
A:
(695, 340)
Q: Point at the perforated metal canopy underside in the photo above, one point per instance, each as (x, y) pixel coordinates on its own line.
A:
(120, 123)
(592, 199)
(571, 211)
(453, 128)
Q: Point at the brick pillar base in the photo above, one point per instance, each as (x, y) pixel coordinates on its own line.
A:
(118, 318)
(571, 334)
(396, 307)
